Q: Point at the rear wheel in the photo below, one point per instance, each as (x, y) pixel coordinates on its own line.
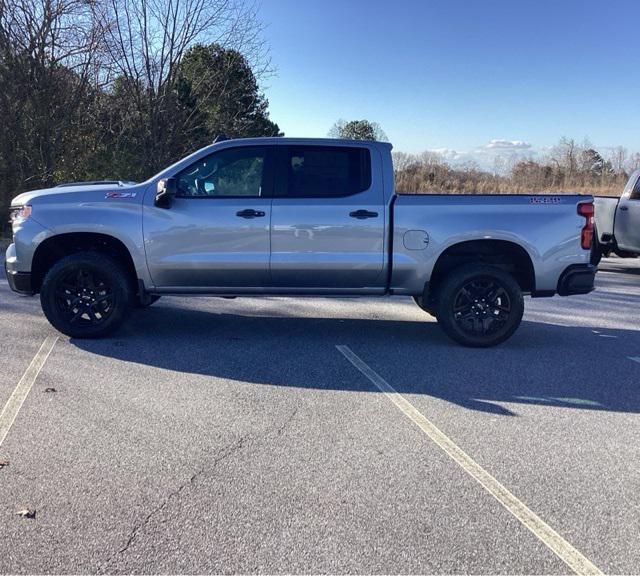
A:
(85, 295)
(479, 305)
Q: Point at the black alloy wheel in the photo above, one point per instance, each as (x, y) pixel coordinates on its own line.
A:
(86, 295)
(84, 298)
(479, 305)
(482, 306)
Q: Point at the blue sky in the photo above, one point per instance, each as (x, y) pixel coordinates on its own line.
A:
(456, 75)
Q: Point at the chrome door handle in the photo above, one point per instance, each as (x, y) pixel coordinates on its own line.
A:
(250, 213)
(363, 214)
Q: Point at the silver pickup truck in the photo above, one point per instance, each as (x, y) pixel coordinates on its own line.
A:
(617, 223)
(295, 217)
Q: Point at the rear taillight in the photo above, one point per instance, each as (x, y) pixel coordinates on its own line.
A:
(587, 210)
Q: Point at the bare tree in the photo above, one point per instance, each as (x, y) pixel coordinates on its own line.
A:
(49, 57)
(564, 156)
(618, 159)
(634, 162)
(48, 52)
(146, 41)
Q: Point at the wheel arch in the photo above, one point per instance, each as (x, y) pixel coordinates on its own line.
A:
(54, 248)
(503, 254)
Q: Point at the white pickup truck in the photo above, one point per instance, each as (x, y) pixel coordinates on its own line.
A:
(297, 217)
(617, 223)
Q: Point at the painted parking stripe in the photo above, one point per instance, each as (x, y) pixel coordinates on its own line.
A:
(547, 535)
(17, 398)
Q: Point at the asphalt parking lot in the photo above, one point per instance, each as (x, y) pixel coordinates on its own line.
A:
(214, 435)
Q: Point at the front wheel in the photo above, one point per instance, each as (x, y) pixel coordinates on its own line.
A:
(479, 305)
(85, 295)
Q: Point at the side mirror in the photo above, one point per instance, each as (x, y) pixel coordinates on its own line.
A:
(166, 190)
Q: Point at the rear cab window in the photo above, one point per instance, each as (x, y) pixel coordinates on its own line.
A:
(325, 171)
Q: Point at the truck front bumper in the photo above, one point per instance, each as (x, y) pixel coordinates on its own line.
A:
(577, 279)
(19, 282)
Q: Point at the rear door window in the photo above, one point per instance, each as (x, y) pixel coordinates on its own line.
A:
(326, 171)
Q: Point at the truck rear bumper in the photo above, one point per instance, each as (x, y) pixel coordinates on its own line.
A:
(577, 279)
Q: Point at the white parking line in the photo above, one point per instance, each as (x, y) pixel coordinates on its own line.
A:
(547, 535)
(17, 398)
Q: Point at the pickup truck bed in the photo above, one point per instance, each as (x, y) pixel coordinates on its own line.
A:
(528, 228)
(295, 216)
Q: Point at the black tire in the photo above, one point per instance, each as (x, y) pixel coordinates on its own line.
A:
(419, 300)
(146, 301)
(479, 305)
(86, 295)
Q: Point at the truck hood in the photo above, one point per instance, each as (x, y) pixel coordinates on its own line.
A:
(84, 192)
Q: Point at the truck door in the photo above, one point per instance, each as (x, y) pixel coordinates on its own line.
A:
(216, 231)
(627, 221)
(328, 218)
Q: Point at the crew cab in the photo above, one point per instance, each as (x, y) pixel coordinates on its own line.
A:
(617, 223)
(295, 217)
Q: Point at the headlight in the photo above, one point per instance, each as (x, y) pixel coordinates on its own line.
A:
(19, 213)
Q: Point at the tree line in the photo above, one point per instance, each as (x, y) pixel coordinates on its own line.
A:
(567, 167)
(117, 89)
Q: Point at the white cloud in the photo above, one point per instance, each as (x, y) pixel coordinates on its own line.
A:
(496, 156)
(508, 144)
(449, 154)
